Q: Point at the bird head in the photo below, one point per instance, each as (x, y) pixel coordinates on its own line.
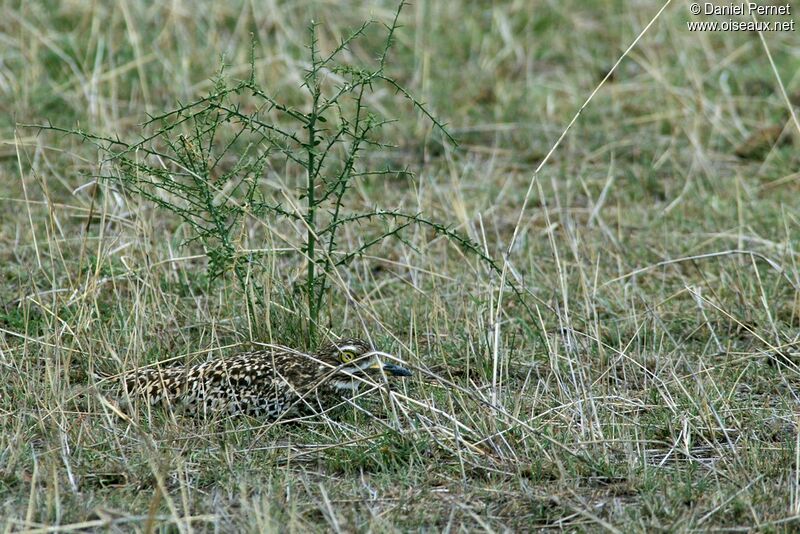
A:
(353, 358)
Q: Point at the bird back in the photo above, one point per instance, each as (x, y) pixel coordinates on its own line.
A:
(257, 383)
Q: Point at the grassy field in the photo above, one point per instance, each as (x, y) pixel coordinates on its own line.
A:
(641, 378)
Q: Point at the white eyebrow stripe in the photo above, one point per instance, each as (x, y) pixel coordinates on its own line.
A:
(348, 348)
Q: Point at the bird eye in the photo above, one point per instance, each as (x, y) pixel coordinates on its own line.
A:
(347, 356)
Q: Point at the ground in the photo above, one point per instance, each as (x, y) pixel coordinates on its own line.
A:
(630, 364)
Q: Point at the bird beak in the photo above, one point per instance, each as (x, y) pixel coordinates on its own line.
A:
(389, 368)
(396, 370)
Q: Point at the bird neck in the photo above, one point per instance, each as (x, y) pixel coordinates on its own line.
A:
(344, 386)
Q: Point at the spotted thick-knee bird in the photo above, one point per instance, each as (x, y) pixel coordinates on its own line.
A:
(274, 383)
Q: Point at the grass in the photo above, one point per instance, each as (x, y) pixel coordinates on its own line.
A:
(655, 387)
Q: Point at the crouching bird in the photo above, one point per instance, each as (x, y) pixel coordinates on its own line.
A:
(277, 382)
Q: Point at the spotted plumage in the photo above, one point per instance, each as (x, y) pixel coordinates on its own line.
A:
(277, 382)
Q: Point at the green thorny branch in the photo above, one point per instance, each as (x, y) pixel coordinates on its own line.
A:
(184, 166)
